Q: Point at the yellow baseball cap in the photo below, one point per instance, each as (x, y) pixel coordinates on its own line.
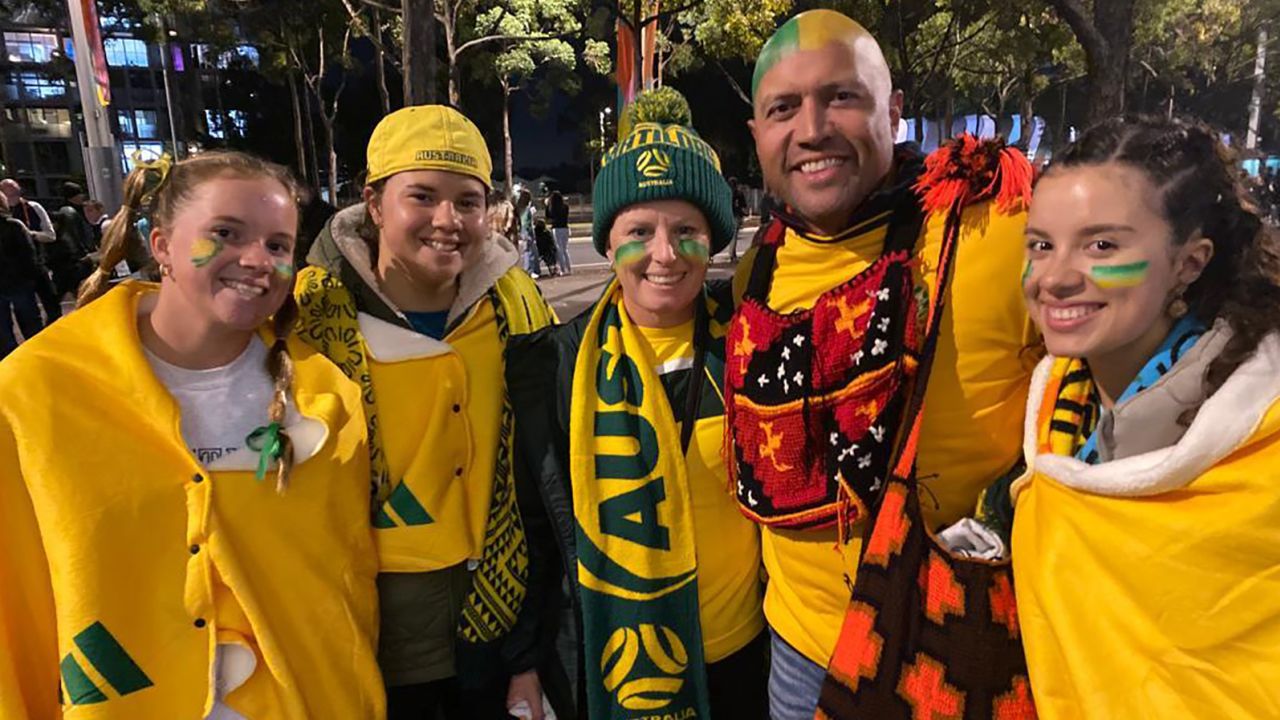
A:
(428, 137)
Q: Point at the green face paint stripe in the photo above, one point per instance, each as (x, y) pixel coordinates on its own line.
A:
(284, 270)
(79, 687)
(408, 507)
(630, 252)
(205, 250)
(694, 250)
(1026, 272)
(1119, 275)
(110, 659)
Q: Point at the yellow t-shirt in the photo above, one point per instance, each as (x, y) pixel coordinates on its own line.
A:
(973, 408)
(439, 410)
(727, 545)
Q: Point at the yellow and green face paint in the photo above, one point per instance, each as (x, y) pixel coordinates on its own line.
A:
(1026, 272)
(694, 251)
(1119, 276)
(283, 270)
(688, 248)
(810, 30)
(630, 252)
(204, 250)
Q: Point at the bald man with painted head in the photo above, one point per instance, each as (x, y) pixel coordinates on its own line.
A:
(813, 374)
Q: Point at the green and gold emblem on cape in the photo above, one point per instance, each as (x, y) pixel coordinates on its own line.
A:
(635, 535)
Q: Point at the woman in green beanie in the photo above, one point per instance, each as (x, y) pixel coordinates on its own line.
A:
(626, 447)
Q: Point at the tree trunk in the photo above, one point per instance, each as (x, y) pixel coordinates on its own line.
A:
(1027, 121)
(914, 108)
(1063, 135)
(450, 20)
(333, 158)
(1106, 34)
(380, 65)
(314, 165)
(948, 115)
(1106, 92)
(1259, 86)
(298, 142)
(508, 165)
(418, 52)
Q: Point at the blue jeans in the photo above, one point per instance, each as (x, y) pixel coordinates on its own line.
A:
(23, 304)
(531, 262)
(562, 248)
(795, 682)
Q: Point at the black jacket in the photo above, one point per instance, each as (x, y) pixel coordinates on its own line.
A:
(540, 386)
(19, 267)
(75, 237)
(558, 214)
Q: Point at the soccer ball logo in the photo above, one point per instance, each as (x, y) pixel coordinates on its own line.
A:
(653, 163)
(622, 651)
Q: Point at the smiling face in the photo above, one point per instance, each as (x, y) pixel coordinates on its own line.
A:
(229, 251)
(824, 124)
(1102, 264)
(659, 252)
(431, 223)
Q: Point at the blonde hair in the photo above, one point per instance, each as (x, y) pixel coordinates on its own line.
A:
(158, 192)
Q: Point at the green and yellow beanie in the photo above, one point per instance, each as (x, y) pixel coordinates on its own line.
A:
(662, 159)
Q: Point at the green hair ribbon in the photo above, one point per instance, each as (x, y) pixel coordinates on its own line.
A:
(265, 440)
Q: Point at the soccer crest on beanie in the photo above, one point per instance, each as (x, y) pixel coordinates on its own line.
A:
(662, 159)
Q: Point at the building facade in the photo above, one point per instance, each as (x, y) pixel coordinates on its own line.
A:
(41, 129)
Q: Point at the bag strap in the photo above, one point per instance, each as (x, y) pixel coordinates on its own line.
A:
(693, 394)
(766, 257)
(904, 454)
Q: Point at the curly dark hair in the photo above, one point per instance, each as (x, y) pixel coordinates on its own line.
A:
(1204, 195)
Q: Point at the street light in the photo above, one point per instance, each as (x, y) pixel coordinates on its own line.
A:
(607, 111)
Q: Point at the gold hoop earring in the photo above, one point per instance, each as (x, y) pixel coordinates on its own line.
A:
(166, 271)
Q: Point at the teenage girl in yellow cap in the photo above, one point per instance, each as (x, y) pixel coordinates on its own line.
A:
(412, 294)
(182, 482)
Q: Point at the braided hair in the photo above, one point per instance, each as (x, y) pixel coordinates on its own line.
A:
(154, 193)
(1202, 194)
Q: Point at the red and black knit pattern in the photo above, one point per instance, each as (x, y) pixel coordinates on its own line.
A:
(814, 398)
(954, 647)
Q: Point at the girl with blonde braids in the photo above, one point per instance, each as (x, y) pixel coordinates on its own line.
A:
(150, 569)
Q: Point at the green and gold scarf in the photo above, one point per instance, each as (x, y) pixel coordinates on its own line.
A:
(329, 322)
(635, 535)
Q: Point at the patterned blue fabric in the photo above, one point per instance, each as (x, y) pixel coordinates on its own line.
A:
(1181, 338)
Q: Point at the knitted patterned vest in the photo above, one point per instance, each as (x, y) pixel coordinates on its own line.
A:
(814, 398)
